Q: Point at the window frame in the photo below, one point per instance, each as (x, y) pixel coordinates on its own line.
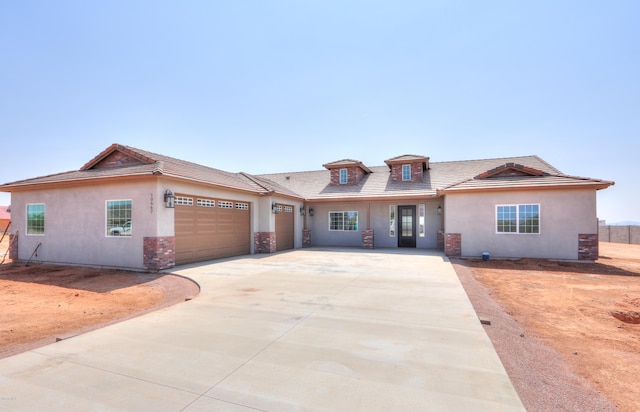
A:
(108, 227)
(392, 220)
(408, 175)
(29, 227)
(345, 218)
(518, 228)
(343, 177)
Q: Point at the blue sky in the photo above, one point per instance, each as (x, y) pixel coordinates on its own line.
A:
(276, 86)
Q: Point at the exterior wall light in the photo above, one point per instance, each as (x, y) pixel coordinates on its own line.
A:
(169, 199)
(439, 210)
(274, 208)
(302, 212)
(311, 211)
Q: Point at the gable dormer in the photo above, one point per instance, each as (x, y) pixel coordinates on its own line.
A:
(117, 155)
(510, 170)
(407, 168)
(346, 171)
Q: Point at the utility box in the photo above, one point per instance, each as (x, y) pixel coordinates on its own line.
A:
(485, 256)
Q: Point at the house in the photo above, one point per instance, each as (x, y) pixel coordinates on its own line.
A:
(135, 209)
(5, 218)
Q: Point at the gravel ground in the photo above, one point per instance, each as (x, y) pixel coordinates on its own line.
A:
(543, 380)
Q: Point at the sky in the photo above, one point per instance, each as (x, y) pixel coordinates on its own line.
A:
(266, 86)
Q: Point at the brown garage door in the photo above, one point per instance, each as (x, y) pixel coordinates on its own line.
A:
(211, 228)
(284, 227)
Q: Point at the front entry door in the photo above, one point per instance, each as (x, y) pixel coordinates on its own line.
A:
(407, 229)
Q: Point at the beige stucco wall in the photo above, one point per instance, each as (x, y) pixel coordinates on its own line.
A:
(564, 214)
(75, 219)
(377, 214)
(75, 223)
(262, 219)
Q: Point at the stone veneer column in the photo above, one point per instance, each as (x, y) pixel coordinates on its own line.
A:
(588, 246)
(159, 252)
(264, 242)
(306, 238)
(13, 247)
(367, 239)
(453, 244)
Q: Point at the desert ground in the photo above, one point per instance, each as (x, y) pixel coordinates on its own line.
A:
(45, 303)
(567, 333)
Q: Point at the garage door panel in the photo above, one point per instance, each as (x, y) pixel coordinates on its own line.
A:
(210, 229)
(284, 227)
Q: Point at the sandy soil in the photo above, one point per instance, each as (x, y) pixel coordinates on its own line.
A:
(564, 331)
(567, 333)
(40, 304)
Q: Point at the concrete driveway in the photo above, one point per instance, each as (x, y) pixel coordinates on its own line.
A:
(306, 330)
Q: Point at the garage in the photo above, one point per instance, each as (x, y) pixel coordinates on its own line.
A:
(207, 228)
(284, 227)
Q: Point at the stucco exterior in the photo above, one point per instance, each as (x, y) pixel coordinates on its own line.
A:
(459, 200)
(75, 223)
(564, 214)
(75, 220)
(373, 215)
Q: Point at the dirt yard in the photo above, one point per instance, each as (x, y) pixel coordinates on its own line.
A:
(43, 303)
(567, 333)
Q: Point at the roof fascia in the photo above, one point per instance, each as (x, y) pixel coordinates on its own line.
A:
(359, 164)
(391, 199)
(594, 185)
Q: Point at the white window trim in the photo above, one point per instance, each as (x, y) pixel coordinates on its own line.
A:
(106, 212)
(392, 221)
(517, 206)
(26, 219)
(346, 176)
(402, 171)
(343, 229)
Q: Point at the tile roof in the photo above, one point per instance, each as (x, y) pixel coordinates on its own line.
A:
(314, 185)
(151, 164)
(345, 163)
(438, 179)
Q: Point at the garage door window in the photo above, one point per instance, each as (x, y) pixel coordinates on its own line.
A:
(119, 221)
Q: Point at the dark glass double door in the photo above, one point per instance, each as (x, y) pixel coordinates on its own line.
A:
(407, 226)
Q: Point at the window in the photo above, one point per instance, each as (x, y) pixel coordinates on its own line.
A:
(518, 218)
(343, 220)
(242, 206)
(392, 220)
(406, 173)
(184, 201)
(119, 218)
(35, 219)
(421, 217)
(225, 204)
(343, 176)
(206, 203)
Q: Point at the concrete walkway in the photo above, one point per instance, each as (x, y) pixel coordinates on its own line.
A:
(307, 330)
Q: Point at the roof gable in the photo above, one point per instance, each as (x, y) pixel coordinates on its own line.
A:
(346, 163)
(511, 169)
(117, 155)
(408, 159)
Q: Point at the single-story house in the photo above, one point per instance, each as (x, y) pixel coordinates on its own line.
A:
(131, 208)
(5, 218)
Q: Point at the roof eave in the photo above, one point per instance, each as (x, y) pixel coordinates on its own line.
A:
(594, 185)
